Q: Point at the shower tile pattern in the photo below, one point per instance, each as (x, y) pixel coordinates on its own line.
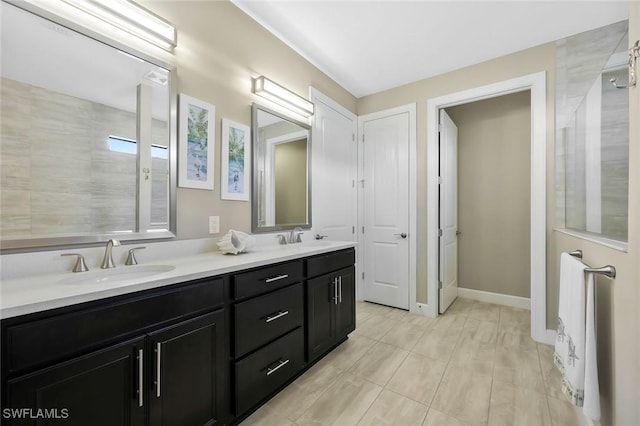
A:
(474, 365)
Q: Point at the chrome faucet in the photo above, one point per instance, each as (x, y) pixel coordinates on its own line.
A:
(295, 235)
(107, 261)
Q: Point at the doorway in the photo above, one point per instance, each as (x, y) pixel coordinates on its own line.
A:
(490, 172)
(536, 83)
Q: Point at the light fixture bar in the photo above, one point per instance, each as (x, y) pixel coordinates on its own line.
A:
(132, 18)
(274, 92)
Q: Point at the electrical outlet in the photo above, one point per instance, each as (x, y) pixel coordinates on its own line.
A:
(214, 224)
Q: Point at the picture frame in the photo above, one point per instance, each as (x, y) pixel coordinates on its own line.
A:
(235, 180)
(196, 147)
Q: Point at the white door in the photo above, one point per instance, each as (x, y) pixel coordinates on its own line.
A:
(386, 210)
(335, 170)
(448, 247)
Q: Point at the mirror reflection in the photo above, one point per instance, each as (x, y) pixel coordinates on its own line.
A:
(281, 190)
(85, 136)
(592, 120)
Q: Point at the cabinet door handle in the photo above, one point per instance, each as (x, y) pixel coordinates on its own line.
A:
(276, 316)
(340, 288)
(279, 277)
(335, 291)
(281, 364)
(158, 359)
(140, 377)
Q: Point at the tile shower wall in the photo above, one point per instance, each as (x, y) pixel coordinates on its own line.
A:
(58, 175)
(580, 61)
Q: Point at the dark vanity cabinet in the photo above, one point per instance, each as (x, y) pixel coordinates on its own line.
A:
(205, 352)
(330, 301)
(158, 358)
(268, 331)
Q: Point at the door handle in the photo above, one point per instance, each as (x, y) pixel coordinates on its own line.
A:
(140, 377)
(335, 291)
(402, 235)
(340, 288)
(274, 317)
(281, 363)
(158, 371)
(279, 277)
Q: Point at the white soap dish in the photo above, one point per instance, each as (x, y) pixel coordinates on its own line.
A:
(234, 242)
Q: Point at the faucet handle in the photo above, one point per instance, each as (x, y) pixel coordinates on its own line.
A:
(131, 258)
(319, 237)
(299, 237)
(80, 265)
(281, 239)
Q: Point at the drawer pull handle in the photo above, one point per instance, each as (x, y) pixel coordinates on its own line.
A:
(335, 291)
(276, 316)
(340, 289)
(281, 364)
(279, 277)
(158, 359)
(140, 377)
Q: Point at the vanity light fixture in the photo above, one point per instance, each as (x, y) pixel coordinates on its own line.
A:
(266, 88)
(132, 18)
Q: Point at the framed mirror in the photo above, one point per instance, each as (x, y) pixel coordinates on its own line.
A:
(281, 191)
(88, 141)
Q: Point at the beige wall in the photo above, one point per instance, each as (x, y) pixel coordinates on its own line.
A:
(494, 144)
(219, 50)
(291, 190)
(618, 300)
(541, 58)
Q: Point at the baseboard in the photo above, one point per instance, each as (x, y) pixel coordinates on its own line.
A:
(499, 299)
(424, 309)
(550, 337)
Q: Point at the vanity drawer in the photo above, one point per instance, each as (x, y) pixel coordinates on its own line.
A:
(266, 279)
(262, 319)
(261, 373)
(53, 339)
(329, 262)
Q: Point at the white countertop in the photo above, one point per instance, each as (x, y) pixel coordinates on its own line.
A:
(37, 293)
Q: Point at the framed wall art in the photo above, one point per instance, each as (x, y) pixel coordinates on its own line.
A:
(196, 143)
(236, 161)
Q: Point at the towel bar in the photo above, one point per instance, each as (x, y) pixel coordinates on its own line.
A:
(609, 271)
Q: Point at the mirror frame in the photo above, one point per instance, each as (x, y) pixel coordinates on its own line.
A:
(254, 176)
(45, 242)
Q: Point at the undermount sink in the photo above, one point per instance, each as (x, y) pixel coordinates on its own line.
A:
(116, 275)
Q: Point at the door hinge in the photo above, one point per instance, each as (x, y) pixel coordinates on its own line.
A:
(363, 229)
(362, 183)
(353, 137)
(353, 229)
(439, 284)
(439, 180)
(363, 138)
(363, 275)
(439, 127)
(353, 183)
(439, 232)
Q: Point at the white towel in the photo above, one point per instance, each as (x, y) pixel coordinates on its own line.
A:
(575, 348)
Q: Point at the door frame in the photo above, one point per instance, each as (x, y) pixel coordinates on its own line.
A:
(412, 231)
(536, 83)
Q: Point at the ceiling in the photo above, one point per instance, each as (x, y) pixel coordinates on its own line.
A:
(44, 54)
(370, 46)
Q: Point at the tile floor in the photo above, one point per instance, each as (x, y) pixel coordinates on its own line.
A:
(474, 365)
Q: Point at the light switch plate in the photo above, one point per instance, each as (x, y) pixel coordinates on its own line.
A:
(214, 224)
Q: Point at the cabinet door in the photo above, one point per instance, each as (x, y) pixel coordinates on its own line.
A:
(346, 307)
(187, 374)
(321, 329)
(101, 388)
